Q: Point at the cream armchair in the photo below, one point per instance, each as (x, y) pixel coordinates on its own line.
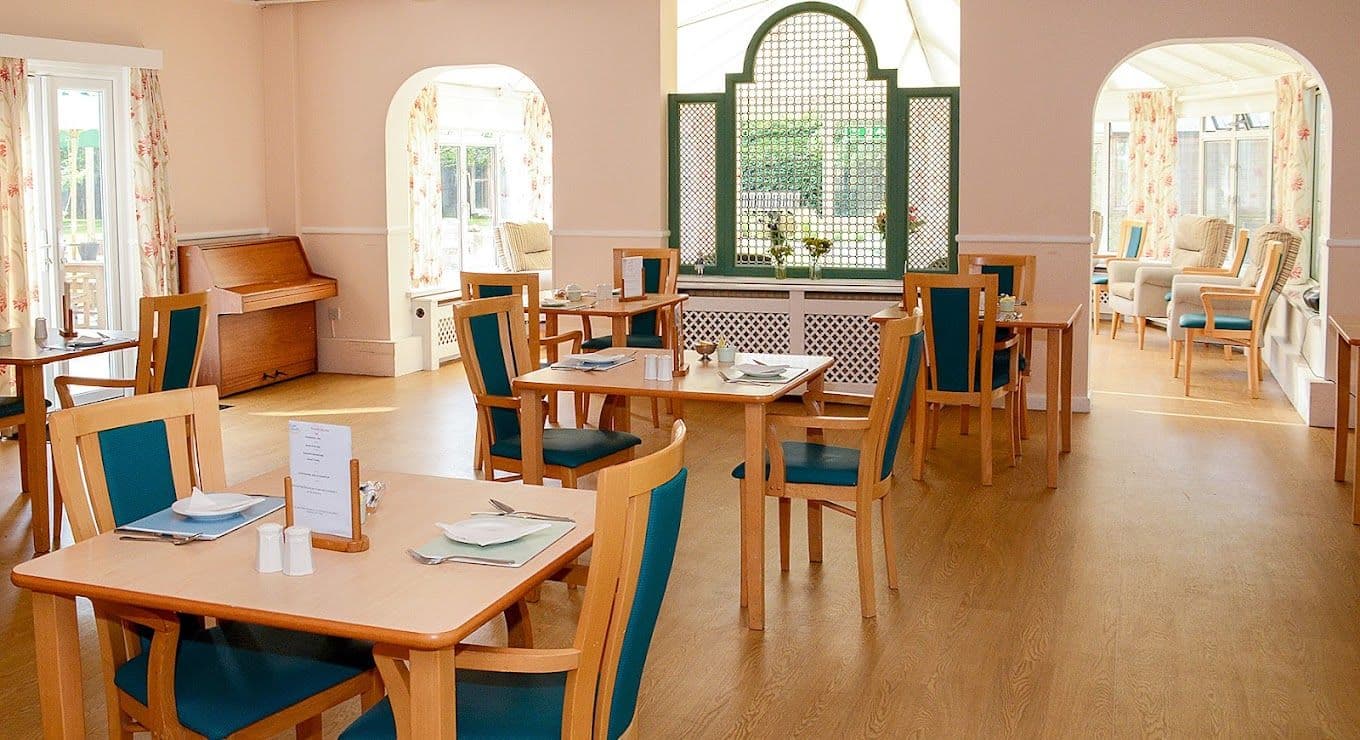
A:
(1138, 288)
(524, 247)
(1185, 287)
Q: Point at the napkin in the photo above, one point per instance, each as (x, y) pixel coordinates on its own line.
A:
(202, 503)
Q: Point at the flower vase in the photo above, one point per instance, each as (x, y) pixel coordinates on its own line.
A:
(780, 271)
(815, 270)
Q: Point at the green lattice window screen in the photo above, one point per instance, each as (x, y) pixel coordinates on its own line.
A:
(932, 178)
(694, 156)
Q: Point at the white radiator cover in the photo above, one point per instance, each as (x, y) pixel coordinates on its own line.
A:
(433, 322)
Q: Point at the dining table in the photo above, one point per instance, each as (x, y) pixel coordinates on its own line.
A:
(30, 358)
(380, 595)
(1347, 339)
(704, 380)
(617, 310)
(1055, 322)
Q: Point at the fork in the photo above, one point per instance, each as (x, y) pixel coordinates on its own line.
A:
(508, 510)
(437, 559)
(172, 539)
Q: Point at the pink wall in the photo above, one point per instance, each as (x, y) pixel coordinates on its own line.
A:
(212, 82)
(1030, 75)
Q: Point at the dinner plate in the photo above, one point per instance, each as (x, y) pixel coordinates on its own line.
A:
(225, 505)
(596, 358)
(553, 303)
(87, 342)
(491, 530)
(761, 371)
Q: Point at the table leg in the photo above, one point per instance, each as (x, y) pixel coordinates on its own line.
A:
(531, 435)
(620, 327)
(1052, 410)
(1066, 399)
(1343, 404)
(57, 649)
(433, 713)
(753, 517)
(35, 454)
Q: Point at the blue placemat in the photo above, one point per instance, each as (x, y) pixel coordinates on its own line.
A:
(166, 521)
(517, 552)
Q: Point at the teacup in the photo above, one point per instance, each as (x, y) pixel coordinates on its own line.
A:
(573, 292)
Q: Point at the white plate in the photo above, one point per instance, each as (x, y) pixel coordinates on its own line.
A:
(224, 505)
(491, 530)
(553, 303)
(596, 358)
(761, 371)
(87, 342)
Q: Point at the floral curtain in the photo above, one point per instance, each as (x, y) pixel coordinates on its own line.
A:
(422, 145)
(151, 187)
(15, 290)
(538, 156)
(1293, 163)
(1152, 166)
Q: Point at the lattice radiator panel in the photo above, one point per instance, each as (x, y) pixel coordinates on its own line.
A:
(749, 332)
(434, 322)
(851, 339)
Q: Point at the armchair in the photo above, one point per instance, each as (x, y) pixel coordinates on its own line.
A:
(1138, 288)
(1131, 243)
(524, 246)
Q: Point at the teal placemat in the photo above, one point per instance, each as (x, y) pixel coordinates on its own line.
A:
(167, 521)
(518, 552)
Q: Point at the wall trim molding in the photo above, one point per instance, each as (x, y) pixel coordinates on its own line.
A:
(1022, 239)
(79, 52)
(1343, 243)
(223, 233)
(614, 233)
(359, 230)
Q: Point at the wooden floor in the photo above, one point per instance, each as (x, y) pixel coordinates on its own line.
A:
(1197, 573)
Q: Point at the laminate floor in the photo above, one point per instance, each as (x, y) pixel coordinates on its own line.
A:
(1196, 573)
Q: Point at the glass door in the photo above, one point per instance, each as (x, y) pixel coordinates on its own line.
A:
(470, 205)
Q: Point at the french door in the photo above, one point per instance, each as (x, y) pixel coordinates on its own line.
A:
(75, 217)
(471, 199)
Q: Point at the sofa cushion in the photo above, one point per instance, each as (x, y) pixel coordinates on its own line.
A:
(529, 245)
(1123, 290)
(1200, 241)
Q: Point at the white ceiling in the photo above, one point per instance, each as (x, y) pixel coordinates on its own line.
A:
(1209, 78)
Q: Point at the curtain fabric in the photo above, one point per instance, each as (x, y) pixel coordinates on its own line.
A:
(151, 187)
(1152, 167)
(1293, 163)
(538, 156)
(15, 290)
(422, 145)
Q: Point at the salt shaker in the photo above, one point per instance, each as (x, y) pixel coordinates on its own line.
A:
(269, 558)
(40, 329)
(297, 551)
(665, 367)
(651, 367)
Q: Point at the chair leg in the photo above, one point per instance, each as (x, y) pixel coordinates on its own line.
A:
(58, 510)
(552, 408)
(935, 425)
(1227, 352)
(1021, 407)
(23, 462)
(918, 445)
(1253, 371)
(1142, 330)
(582, 409)
(864, 557)
(814, 537)
(785, 510)
(569, 478)
(1012, 429)
(1115, 319)
(656, 414)
(519, 628)
(1189, 352)
(963, 421)
(889, 540)
(1176, 358)
(985, 423)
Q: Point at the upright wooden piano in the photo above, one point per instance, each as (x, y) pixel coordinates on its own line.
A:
(261, 297)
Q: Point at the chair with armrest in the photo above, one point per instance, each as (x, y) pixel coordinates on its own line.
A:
(965, 364)
(524, 246)
(495, 346)
(126, 458)
(170, 332)
(589, 689)
(1015, 276)
(830, 476)
(1235, 315)
(1131, 244)
(1138, 288)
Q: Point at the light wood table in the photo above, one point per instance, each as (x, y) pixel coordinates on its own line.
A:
(380, 595)
(618, 312)
(703, 383)
(29, 358)
(1347, 339)
(1056, 321)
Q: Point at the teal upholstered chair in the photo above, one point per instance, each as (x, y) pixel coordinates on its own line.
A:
(1234, 315)
(966, 363)
(1015, 276)
(591, 688)
(165, 673)
(831, 476)
(495, 347)
(169, 347)
(1130, 245)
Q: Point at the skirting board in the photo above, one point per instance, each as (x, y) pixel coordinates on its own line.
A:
(383, 358)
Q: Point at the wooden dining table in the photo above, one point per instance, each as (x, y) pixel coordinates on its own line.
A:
(30, 357)
(703, 382)
(619, 312)
(1055, 321)
(380, 595)
(1347, 339)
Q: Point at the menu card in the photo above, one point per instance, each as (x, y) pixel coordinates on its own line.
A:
(632, 277)
(319, 456)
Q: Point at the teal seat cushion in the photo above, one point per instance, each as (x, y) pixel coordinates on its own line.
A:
(641, 341)
(1100, 279)
(570, 448)
(223, 686)
(1227, 323)
(12, 405)
(489, 705)
(809, 462)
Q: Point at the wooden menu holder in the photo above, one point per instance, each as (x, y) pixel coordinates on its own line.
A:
(357, 543)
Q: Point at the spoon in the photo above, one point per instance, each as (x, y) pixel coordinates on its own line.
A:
(437, 559)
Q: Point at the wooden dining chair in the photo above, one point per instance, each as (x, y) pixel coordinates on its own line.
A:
(1130, 247)
(831, 476)
(170, 332)
(660, 274)
(591, 688)
(1225, 321)
(127, 458)
(965, 364)
(495, 347)
(1015, 277)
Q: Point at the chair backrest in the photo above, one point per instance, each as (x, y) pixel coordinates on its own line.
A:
(637, 523)
(900, 350)
(1015, 273)
(170, 341)
(495, 347)
(1132, 238)
(1097, 230)
(122, 459)
(660, 274)
(1239, 254)
(526, 285)
(527, 245)
(957, 360)
(1200, 241)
